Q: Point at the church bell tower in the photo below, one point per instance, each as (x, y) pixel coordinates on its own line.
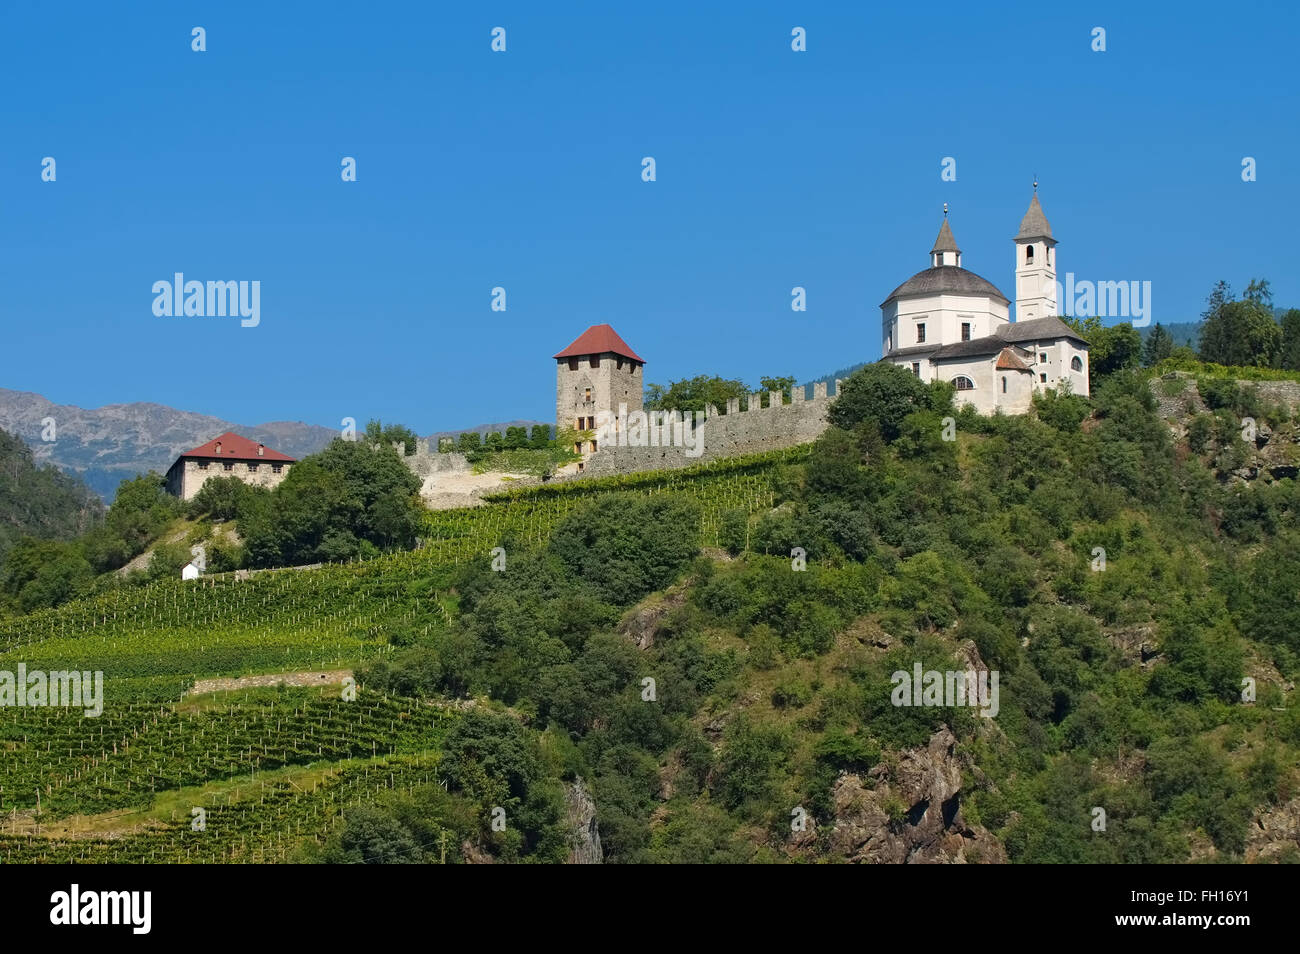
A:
(1035, 265)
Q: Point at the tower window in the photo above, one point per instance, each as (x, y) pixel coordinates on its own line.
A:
(1076, 363)
(920, 333)
(573, 364)
(595, 361)
(965, 331)
(1049, 255)
(1004, 384)
(587, 395)
(964, 383)
(1029, 253)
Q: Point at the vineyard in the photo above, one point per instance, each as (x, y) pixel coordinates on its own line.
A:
(270, 766)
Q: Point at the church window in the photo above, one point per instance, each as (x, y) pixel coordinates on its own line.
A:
(1004, 384)
(1029, 253)
(964, 383)
(965, 331)
(1076, 363)
(573, 364)
(920, 333)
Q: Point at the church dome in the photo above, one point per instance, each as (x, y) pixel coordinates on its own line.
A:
(946, 280)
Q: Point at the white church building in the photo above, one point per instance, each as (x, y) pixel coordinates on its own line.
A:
(948, 324)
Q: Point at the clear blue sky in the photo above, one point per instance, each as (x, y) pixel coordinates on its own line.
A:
(523, 169)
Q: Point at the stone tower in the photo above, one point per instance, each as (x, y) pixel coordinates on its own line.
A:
(1035, 265)
(598, 372)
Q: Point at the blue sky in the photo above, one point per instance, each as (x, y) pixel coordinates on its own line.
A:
(523, 170)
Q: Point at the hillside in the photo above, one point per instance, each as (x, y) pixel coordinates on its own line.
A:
(650, 676)
(40, 502)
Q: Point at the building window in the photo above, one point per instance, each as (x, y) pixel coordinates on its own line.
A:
(1029, 253)
(916, 368)
(275, 468)
(1042, 378)
(920, 333)
(1042, 357)
(595, 361)
(963, 383)
(586, 396)
(1076, 363)
(573, 364)
(593, 447)
(252, 466)
(965, 331)
(1004, 384)
(228, 465)
(577, 447)
(203, 465)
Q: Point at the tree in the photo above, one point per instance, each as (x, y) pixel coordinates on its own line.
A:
(540, 438)
(694, 394)
(1159, 345)
(1110, 349)
(469, 442)
(784, 384)
(1290, 356)
(377, 433)
(882, 392)
(516, 438)
(1241, 333)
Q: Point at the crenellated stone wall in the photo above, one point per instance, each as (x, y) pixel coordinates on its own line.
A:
(725, 435)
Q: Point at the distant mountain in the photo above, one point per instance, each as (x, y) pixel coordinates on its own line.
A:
(106, 445)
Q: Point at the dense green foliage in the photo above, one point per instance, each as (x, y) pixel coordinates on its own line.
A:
(40, 502)
(700, 696)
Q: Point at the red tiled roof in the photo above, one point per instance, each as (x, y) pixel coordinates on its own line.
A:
(599, 339)
(234, 447)
(1008, 360)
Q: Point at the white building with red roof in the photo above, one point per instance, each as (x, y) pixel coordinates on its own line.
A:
(227, 456)
(598, 372)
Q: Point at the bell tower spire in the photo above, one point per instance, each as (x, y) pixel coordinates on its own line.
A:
(1035, 264)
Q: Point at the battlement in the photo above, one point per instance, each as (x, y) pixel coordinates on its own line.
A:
(715, 433)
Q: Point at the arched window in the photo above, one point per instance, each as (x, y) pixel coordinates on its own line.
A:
(1029, 253)
(964, 383)
(1004, 384)
(1076, 363)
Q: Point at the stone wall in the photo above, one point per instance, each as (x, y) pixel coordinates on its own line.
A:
(187, 476)
(725, 435)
